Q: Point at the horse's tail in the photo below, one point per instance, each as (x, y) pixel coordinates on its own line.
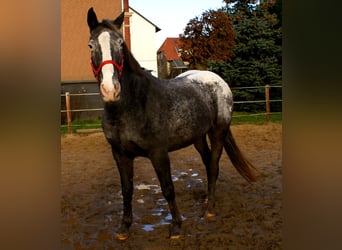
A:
(242, 165)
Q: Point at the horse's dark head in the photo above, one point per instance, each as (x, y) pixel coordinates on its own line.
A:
(106, 45)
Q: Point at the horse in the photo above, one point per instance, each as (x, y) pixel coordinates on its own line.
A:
(149, 117)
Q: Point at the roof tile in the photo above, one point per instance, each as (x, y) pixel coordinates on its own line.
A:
(170, 48)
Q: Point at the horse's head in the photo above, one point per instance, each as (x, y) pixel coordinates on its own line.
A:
(106, 45)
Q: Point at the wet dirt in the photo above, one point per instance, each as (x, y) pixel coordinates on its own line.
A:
(248, 216)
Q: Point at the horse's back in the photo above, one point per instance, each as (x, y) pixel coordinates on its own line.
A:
(204, 76)
(207, 81)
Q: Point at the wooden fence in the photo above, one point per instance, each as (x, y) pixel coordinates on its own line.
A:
(69, 109)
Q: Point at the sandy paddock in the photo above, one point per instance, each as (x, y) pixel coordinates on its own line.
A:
(248, 216)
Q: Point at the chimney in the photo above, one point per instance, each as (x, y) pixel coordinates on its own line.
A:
(127, 30)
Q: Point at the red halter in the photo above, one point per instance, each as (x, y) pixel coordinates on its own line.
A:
(117, 66)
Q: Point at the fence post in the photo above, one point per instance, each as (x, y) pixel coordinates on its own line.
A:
(268, 107)
(68, 111)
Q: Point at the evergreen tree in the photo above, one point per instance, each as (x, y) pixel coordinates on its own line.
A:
(257, 55)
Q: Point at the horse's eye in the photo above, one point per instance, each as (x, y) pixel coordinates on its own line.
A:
(120, 41)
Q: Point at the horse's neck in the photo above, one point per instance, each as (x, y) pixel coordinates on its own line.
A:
(135, 82)
(135, 85)
(135, 78)
(130, 63)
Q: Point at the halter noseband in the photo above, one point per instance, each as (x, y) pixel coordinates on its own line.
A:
(117, 66)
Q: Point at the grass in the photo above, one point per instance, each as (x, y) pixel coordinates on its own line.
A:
(244, 117)
(238, 118)
(81, 124)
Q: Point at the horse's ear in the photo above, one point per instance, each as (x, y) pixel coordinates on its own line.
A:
(92, 19)
(119, 20)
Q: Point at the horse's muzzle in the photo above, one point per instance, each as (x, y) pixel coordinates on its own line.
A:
(111, 93)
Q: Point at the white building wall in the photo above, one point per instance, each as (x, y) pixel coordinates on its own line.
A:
(143, 42)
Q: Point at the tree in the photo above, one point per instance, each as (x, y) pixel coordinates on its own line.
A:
(276, 9)
(257, 55)
(209, 37)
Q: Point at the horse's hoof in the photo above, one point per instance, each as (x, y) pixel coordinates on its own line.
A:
(175, 231)
(209, 215)
(123, 236)
(175, 237)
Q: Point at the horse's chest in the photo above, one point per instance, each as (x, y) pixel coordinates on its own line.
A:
(114, 130)
(124, 136)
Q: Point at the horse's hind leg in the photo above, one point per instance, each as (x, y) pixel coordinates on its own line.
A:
(161, 163)
(125, 166)
(213, 169)
(202, 147)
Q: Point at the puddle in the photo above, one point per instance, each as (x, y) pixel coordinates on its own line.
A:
(148, 227)
(161, 202)
(164, 221)
(176, 176)
(160, 213)
(160, 210)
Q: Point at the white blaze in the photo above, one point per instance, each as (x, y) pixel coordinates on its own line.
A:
(107, 69)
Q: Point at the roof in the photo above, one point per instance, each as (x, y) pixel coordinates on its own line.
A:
(157, 28)
(170, 47)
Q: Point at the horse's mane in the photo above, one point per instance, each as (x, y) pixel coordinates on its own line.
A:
(130, 62)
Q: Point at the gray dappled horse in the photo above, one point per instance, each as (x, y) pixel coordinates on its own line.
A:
(149, 117)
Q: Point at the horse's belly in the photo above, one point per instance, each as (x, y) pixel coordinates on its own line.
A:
(184, 132)
(181, 142)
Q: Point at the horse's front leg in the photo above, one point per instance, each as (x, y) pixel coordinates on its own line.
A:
(161, 163)
(125, 166)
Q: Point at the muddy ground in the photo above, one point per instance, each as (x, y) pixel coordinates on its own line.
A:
(248, 216)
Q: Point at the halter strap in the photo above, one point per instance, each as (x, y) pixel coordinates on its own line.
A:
(97, 70)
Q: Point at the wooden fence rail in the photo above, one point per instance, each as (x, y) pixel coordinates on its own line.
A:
(267, 102)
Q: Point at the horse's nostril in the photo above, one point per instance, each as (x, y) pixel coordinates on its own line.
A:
(117, 95)
(117, 86)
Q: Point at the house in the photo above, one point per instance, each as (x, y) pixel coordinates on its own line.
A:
(75, 54)
(76, 74)
(170, 64)
(139, 33)
(143, 41)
